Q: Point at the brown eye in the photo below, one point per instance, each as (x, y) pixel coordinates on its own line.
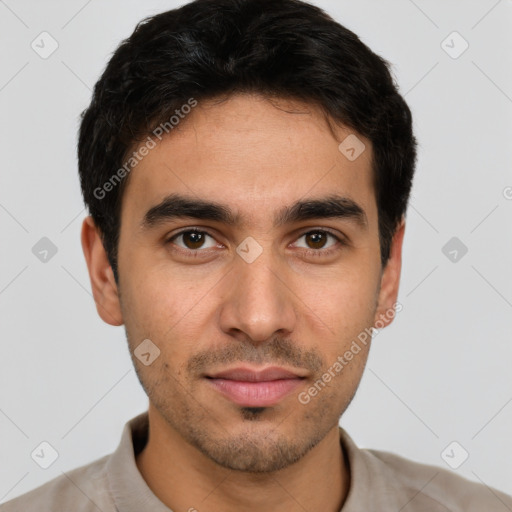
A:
(192, 240)
(318, 241)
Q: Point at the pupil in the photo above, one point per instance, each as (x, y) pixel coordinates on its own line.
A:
(318, 239)
(196, 239)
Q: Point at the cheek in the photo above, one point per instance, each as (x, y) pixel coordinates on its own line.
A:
(166, 309)
(347, 301)
(348, 310)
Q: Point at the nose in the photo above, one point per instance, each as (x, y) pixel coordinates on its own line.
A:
(258, 302)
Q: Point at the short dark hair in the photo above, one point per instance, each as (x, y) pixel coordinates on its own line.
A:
(214, 48)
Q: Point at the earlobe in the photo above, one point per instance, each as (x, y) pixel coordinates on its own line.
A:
(104, 287)
(390, 280)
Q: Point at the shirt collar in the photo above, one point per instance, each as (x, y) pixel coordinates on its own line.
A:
(366, 481)
(128, 488)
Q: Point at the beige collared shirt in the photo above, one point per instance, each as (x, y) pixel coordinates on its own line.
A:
(379, 482)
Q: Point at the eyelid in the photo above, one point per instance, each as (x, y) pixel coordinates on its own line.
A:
(315, 229)
(193, 229)
(340, 239)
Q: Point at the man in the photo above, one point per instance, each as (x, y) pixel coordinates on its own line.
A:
(247, 166)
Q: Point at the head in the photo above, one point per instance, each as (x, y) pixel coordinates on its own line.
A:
(247, 166)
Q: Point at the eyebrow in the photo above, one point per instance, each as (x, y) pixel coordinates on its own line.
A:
(175, 206)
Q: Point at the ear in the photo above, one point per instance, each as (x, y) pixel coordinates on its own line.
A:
(104, 287)
(390, 280)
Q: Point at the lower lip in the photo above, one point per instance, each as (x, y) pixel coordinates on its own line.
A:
(255, 394)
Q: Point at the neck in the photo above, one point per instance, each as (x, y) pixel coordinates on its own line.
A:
(185, 479)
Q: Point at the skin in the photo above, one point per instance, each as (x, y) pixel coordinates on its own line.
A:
(210, 313)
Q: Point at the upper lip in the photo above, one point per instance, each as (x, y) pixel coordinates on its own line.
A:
(254, 375)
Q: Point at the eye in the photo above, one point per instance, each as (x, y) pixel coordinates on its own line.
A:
(317, 241)
(192, 240)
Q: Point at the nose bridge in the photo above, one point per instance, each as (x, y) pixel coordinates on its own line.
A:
(259, 303)
(259, 278)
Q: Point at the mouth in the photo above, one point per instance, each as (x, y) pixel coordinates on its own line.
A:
(256, 388)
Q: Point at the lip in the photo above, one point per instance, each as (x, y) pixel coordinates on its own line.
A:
(247, 374)
(255, 388)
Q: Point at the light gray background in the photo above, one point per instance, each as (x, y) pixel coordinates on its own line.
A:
(439, 373)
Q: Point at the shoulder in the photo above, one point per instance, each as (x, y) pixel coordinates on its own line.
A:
(386, 481)
(437, 488)
(83, 489)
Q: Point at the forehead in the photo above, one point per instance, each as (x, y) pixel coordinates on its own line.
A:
(254, 154)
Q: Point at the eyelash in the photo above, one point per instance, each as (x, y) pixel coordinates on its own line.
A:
(309, 252)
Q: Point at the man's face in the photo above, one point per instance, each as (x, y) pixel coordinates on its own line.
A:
(254, 293)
